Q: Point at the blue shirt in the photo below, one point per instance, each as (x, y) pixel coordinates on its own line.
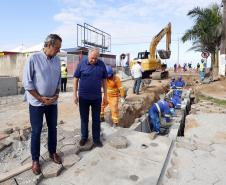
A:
(90, 79)
(43, 75)
(179, 83)
(164, 109)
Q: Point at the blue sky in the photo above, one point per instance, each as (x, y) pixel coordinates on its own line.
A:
(132, 24)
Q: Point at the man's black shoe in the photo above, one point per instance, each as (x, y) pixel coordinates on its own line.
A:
(97, 144)
(82, 142)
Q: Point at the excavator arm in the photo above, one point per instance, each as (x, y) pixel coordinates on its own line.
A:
(164, 54)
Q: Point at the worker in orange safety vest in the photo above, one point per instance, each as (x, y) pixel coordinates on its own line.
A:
(114, 89)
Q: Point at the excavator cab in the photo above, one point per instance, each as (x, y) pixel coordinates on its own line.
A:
(143, 55)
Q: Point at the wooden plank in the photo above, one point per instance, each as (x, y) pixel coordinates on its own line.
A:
(14, 172)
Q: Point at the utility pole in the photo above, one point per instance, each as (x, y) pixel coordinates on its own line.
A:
(223, 42)
(178, 51)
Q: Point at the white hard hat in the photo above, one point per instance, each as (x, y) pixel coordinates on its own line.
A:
(139, 60)
(63, 63)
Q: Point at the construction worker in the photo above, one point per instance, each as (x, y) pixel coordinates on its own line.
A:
(159, 109)
(63, 77)
(172, 83)
(136, 72)
(178, 91)
(114, 87)
(202, 70)
(179, 83)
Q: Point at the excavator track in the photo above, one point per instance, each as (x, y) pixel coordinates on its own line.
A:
(159, 75)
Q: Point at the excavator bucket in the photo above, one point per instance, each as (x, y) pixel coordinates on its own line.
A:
(163, 54)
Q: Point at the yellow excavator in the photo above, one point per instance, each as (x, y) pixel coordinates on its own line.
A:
(150, 62)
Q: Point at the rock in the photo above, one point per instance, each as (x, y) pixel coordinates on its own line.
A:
(119, 142)
(134, 177)
(61, 122)
(70, 160)
(172, 173)
(175, 161)
(137, 120)
(153, 135)
(51, 169)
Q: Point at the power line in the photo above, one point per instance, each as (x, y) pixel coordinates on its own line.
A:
(130, 43)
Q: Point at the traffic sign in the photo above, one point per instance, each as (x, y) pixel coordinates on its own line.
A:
(205, 54)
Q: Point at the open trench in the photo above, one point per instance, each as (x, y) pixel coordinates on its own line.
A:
(133, 114)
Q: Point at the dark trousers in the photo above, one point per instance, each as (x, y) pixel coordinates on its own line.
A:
(63, 84)
(36, 119)
(84, 105)
(136, 86)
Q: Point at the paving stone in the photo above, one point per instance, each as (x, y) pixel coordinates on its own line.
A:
(26, 159)
(69, 149)
(185, 175)
(70, 160)
(220, 183)
(186, 145)
(28, 178)
(199, 153)
(188, 155)
(15, 136)
(119, 142)
(9, 182)
(204, 147)
(24, 134)
(51, 169)
(88, 146)
(69, 134)
(71, 141)
(4, 145)
(205, 175)
(60, 137)
(45, 155)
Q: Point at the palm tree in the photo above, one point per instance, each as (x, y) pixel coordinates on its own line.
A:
(206, 32)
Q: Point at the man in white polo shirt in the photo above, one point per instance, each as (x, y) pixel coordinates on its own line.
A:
(136, 72)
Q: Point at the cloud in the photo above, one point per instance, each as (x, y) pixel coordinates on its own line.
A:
(126, 21)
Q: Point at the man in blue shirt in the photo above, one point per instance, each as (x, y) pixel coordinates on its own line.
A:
(41, 82)
(90, 74)
(157, 110)
(178, 91)
(180, 83)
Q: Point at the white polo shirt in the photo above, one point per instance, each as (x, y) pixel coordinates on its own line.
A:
(136, 71)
